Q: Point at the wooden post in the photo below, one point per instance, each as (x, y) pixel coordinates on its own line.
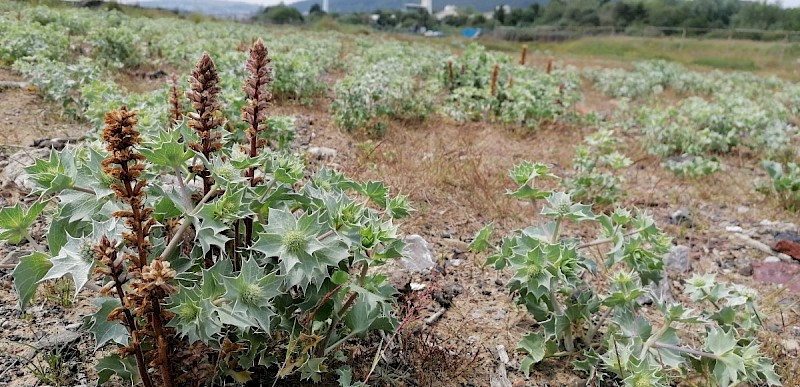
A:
(495, 74)
(523, 55)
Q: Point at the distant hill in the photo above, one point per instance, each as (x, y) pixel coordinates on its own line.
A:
(348, 6)
(207, 7)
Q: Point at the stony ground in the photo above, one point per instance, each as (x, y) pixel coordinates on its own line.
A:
(455, 175)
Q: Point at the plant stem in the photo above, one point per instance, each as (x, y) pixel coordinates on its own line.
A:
(653, 339)
(182, 186)
(173, 243)
(338, 316)
(556, 231)
(595, 327)
(136, 225)
(157, 321)
(134, 332)
(83, 189)
(569, 343)
(607, 240)
(686, 350)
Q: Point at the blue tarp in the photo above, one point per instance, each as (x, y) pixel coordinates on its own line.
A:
(471, 32)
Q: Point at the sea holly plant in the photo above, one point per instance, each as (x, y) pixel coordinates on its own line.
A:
(784, 183)
(596, 165)
(586, 296)
(153, 224)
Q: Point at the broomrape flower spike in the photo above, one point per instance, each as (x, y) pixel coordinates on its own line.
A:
(204, 92)
(254, 113)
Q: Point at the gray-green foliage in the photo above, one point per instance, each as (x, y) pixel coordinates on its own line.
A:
(560, 282)
(522, 95)
(597, 164)
(784, 183)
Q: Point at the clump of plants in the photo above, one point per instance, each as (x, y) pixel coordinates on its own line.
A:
(486, 86)
(692, 167)
(211, 261)
(584, 296)
(784, 183)
(596, 165)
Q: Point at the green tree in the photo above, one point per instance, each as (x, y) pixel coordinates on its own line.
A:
(280, 14)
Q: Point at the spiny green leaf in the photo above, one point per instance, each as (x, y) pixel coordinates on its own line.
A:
(27, 274)
(112, 364)
(75, 259)
(102, 328)
(166, 151)
(16, 221)
(398, 207)
(375, 191)
(525, 172)
(480, 242)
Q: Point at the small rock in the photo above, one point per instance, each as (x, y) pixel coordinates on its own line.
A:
(778, 226)
(14, 173)
(682, 216)
(734, 229)
(790, 345)
(778, 273)
(500, 314)
(455, 244)
(789, 248)
(746, 270)
(6, 324)
(455, 262)
(789, 236)
(58, 340)
(678, 259)
(742, 209)
(473, 339)
(771, 258)
(55, 143)
(73, 327)
(322, 153)
(419, 255)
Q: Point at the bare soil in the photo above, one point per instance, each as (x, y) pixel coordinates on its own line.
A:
(25, 116)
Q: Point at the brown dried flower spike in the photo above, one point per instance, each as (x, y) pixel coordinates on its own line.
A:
(204, 91)
(175, 105)
(123, 165)
(258, 97)
(255, 112)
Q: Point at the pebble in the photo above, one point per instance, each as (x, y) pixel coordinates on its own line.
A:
(455, 262)
(746, 270)
(678, 259)
(772, 258)
(419, 256)
(683, 217)
(322, 153)
(791, 345)
(73, 327)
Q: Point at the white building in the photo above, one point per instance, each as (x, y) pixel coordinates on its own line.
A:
(449, 10)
